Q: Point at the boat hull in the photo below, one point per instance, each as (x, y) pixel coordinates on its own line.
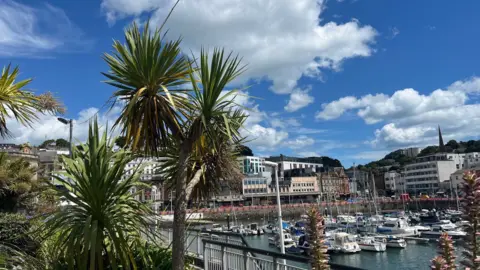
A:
(377, 247)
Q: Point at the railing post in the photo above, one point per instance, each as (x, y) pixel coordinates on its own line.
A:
(224, 259)
(245, 260)
(275, 265)
(205, 257)
(199, 242)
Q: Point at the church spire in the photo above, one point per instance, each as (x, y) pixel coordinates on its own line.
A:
(441, 145)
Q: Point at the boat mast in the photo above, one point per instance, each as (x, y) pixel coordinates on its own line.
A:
(374, 194)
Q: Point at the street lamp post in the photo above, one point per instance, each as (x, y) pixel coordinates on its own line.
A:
(280, 222)
(68, 122)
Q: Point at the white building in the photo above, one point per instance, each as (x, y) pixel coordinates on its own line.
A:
(251, 165)
(394, 181)
(290, 165)
(461, 160)
(427, 176)
(149, 173)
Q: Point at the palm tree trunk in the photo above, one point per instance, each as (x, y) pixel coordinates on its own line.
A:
(180, 212)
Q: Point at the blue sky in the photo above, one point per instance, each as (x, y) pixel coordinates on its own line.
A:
(349, 79)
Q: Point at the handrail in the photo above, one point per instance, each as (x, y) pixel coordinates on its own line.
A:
(259, 251)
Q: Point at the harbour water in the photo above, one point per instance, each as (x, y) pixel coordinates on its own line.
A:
(415, 256)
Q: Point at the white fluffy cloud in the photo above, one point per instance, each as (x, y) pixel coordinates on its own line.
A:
(413, 117)
(299, 142)
(264, 138)
(298, 99)
(281, 40)
(403, 103)
(48, 127)
(32, 31)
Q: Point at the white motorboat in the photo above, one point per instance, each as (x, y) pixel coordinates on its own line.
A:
(368, 243)
(238, 229)
(437, 231)
(253, 229)
(419, 228)
(345, 243)
(392, 241)
(216, 228)
(287, 240)
(396, 226)
(446, 224)
(330, 223)
(346, 221)
(270, 229)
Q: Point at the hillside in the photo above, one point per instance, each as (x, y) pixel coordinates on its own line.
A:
(396, 159)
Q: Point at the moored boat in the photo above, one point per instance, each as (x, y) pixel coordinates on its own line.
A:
(345, 243)
(368, 243)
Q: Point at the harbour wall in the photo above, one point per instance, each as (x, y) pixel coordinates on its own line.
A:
(294, 211)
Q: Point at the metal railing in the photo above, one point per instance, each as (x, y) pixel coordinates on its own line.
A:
(225, 256)
(230, 251)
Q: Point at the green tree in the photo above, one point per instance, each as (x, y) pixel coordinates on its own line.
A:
(17, 184)
(147, 72)
(244, 150)
(104, 222)
(20, 104)
(46, 143)
(62, 143)
(453, 144)
(429, 150)
(120, 141)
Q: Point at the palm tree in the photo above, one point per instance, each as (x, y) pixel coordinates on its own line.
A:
(23, 105)
(103, 223)
(200, 125)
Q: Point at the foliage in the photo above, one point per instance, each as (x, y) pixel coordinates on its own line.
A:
(391, 159)
(315, 230)
(17, 185)
(20, 104)
(429, 150)
(59, 143)
(147, 71)
(46, 143)
(446, 254)
(15, 231)
(18, 247)
(438, 263)
(120, 141)
(201, 124)
(244, 150)
(103, 222)
(471, 210)
(155, 257)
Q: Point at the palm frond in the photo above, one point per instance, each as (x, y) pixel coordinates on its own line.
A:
(104, 221)
(22, 104)
(149, 73)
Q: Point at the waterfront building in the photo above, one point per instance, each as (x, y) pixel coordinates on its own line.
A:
(251, 165)
(394, 182)
(334, 182)
(155, 194)
(291, 163)
(426, 176)
(358, 180)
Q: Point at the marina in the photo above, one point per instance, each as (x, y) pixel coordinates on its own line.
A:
(394, 241)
